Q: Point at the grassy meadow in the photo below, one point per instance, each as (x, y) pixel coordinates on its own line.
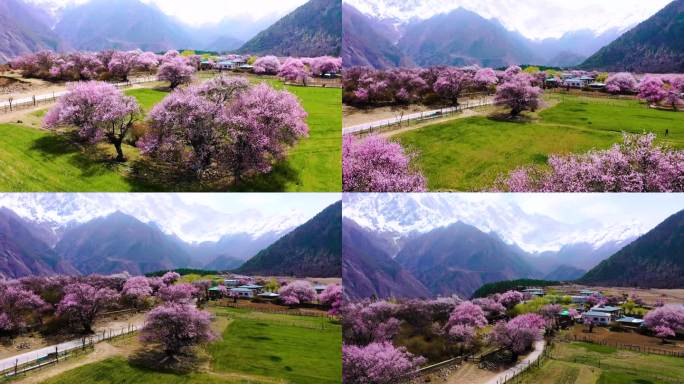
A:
(253, 348)
(34, 160)
(470, 154)
(583, 363)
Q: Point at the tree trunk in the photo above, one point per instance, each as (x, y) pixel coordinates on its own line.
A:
(120, 158)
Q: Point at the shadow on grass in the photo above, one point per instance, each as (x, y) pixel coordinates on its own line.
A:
(156, 361)
(91, 161)
(144, 175)
(507, 118)
(148, 175)
(275, 181)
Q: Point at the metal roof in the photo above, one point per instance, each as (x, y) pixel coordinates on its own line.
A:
(598, 314)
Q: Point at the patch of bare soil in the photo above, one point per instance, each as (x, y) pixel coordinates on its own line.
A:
(8, 347)
(353, 116)
(650, 296)
(463, 115)
(628, 337)
(469, 373)
(102, 351)
(9, 85)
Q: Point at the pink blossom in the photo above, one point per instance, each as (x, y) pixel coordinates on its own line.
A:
(510, 299)
(651, 89)
(177, 293)
(267, 65)
(377, 363)
(520, 333)
(82, 303)
(665, 321)
(332, 297)
(293, 70)
(99, 110)
(176, 71)
(176, 326)
(622, 82)
(375, 164)
(518, 94)
(170, 277)
(297, 292)
(637, 165)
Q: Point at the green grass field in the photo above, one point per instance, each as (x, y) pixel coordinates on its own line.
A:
(33, 160)
(469, 154)
(117, 371)
(303, 350)
(583, 363)
(255, 348)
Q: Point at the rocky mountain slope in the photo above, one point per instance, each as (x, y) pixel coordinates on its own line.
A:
(369, 271)
(655, 260)
(654, 46)
(312, 249)
(314, 29)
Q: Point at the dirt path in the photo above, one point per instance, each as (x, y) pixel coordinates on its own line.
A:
(469, 373)
(102, 351)
(37, 342)
(464, 114)
(353, 116)
(24, 114)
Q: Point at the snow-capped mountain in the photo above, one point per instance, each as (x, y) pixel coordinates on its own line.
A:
(401, 216)
(189, 221)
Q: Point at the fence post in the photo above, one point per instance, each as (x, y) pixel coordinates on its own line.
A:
(56, 354)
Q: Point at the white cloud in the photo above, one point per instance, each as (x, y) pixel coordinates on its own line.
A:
(197, 12)
(535, 19)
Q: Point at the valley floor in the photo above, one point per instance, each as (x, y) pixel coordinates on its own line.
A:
(582, 363)
(469, 154)
(32, 159)
(253, 348)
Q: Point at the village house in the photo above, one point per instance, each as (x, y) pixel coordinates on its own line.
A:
(269, 296)
(597, 86)
(253, 287)
(574, 82)
(589, 292)
(534, 291)
(319, 288)
(631, 322)
(613, 312)
(600, 318)
(242, 292)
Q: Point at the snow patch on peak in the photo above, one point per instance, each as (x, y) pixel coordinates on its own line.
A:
(190, 222)
(404, 214)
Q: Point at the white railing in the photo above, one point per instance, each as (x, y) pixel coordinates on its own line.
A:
(9, 104)
(418, 116)
(31, 360)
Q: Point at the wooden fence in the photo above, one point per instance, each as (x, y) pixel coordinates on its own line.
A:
(276, 311)
(432, 369)
(625, 346)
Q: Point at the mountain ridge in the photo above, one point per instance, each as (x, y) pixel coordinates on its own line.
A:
(655, 45)
(311, 250)
(654, 260)
(313, 29)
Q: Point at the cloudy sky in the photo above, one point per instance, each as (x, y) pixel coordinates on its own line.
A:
(649, 209)
(533, 18)
(193, 217)
(269, 204)
(197, 12)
